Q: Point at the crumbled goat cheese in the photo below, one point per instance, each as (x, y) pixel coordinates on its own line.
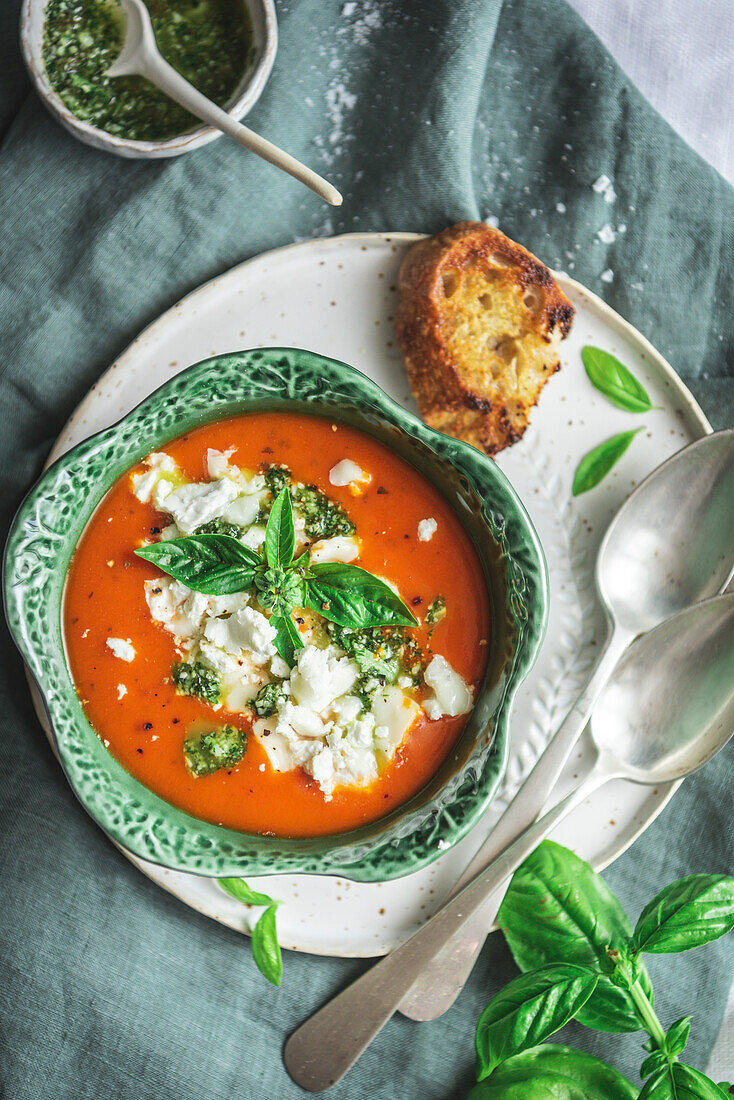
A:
(122, 648)
(247, 630)
(158, 464)
(344, 548)
(198, 503)
(427, 529)
(451, 695)
(254, 537)
(346, 472)
(321, 675)
(121, 691)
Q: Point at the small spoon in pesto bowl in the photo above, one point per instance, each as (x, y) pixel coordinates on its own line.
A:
(140, 56)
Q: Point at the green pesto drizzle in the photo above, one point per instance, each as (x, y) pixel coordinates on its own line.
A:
(208, 41)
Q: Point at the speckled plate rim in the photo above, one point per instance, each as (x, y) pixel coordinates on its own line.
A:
(132, 815)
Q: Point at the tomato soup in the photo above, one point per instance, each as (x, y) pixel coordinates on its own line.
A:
(142, 675)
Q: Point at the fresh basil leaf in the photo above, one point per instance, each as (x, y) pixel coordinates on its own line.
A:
(554, 1072)
(216, 565)
(287, 640)
(595, 465)
(615, 381)
(265, 947)
(350, 596)
(239, 889)
(677, 1036)
(280, 534)
(680, 1082)
(529, 1010)
(557, 909)
(654, 1063)
(688, 913)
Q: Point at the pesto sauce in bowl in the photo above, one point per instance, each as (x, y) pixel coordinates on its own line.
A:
(209, 42)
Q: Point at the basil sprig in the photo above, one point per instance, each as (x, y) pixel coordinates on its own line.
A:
(219, 565)
(265, 946)
(571, 937)
(529, 1010)
(615, 381)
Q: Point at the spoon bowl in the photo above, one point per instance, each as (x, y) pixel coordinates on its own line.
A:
(669, 707)
(671, 543)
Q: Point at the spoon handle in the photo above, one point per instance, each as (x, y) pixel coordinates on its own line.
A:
(322, 1049)
(442, 980)
(164, 76)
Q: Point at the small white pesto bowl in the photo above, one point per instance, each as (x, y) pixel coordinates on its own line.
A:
(254, 77)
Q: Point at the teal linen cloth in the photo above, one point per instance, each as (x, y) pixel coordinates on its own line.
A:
(423, 114)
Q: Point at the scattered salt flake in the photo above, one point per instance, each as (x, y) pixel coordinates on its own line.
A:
(606, 234)
(349, 8)
(121, 691)
(561, 207)
(607, 276)
(604, 186)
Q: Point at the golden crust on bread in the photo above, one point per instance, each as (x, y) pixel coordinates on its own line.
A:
(479, 323)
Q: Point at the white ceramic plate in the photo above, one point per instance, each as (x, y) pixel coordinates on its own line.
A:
(337, 296)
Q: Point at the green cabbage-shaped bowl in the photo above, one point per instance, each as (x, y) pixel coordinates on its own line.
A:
(55, 512)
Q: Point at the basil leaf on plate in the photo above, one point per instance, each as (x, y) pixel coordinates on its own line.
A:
(287, 640)
(680, 1082)
(614, 380)
(265, 947)
(280, 535)
(529, 1010)
(216, 565)
(595, 465)
(239, 889)
(688, 913)
(557, 1072)
(350, 596)
(557, 909)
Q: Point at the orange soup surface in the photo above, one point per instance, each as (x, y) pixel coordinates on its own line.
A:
(143, 719)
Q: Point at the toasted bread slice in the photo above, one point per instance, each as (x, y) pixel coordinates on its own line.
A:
(479, 324)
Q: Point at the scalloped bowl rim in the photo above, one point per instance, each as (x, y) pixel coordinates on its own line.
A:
(405, 846)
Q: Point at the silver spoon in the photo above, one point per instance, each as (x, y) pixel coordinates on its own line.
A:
(666, 711)
(670, 545)
(140, 56)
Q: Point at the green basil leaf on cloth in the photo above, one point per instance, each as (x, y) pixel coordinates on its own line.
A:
(557, 909)
(688, 913)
